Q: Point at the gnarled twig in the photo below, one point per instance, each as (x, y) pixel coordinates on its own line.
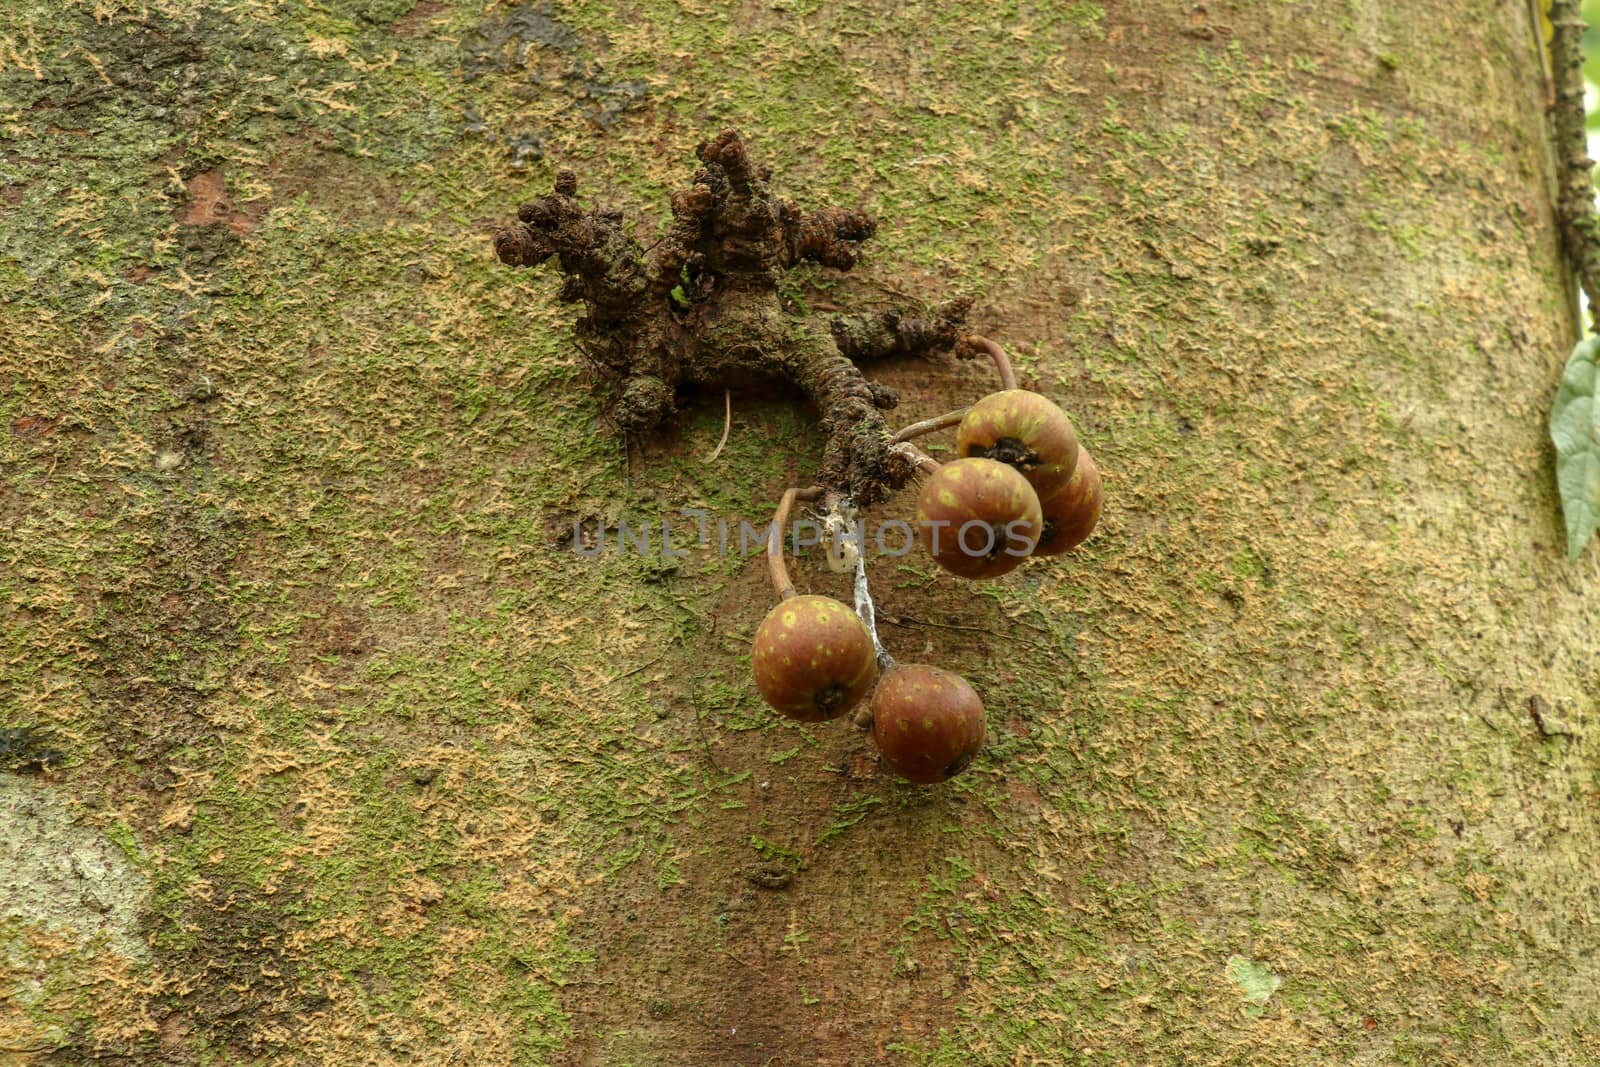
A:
(701, 308)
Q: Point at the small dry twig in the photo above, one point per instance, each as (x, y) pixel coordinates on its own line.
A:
(727, 424)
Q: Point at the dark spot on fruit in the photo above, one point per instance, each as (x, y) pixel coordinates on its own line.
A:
(997, 540)
(957, 765)
(829, 696)
(1012, 452)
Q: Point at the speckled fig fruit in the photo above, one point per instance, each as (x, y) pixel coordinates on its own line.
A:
(1023, 430)
(1070, 515)
(813, 658)
(928, 723)
(978, 518)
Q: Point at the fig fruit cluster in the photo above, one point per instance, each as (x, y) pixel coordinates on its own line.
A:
(1022, 486)
(814, 661)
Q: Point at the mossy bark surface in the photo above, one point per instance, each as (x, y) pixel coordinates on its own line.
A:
(1290, 763)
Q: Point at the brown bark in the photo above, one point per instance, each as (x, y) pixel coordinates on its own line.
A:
(317, 745)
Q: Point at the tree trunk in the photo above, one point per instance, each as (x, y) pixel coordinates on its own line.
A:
(361, 763)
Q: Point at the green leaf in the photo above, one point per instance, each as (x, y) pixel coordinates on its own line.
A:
(1575, 431)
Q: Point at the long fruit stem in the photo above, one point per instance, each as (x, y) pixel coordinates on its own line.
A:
(780, 520)
(1002, 362)
(938, 422)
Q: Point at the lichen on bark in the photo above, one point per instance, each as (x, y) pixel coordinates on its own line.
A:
(701, 308)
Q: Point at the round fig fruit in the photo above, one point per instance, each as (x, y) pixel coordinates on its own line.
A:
(1070, 515)
(928, 723)
(813, 658)
(1024, 430)
(978, 518)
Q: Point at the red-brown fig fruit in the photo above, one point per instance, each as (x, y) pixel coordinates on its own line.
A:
(1070, 515)
(978, 518)
(1024, 430)
(813, 658)
(928, 723)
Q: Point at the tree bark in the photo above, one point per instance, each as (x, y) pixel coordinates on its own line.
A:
(1290, 763)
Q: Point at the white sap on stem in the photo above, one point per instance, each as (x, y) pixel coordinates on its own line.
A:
(843, 539)
(865, 610)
